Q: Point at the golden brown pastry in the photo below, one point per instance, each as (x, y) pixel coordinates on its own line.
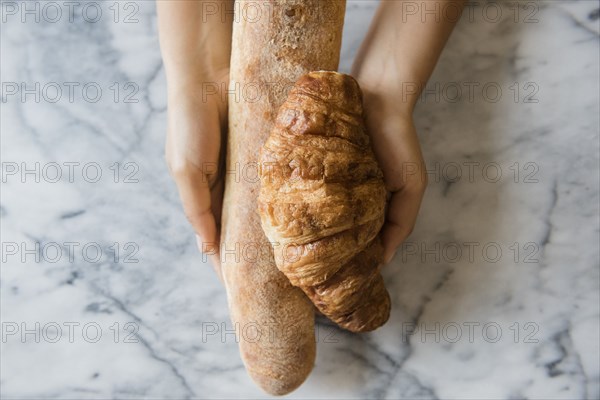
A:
(322, 201)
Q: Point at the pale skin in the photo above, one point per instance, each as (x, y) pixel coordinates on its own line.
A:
(394, 62)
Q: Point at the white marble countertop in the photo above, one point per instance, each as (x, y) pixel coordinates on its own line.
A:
(495, 295)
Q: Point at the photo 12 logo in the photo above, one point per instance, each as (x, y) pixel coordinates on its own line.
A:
(69, 92)
(525, 172)
(266, 12)
(474, 252)
(491, 12)
(471, 92)
(70, 252)
(254, 332)
(69, 171)
(471, 331)
(53, 12)
(69, 331)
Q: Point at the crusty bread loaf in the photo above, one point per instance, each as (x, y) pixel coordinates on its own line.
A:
(322, 199)
(274, 43)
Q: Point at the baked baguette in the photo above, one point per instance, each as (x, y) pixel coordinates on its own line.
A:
(322, 201)
(271, 49)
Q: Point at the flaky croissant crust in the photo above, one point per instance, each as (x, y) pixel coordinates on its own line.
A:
(322, 200)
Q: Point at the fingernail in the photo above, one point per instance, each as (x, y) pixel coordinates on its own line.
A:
(389, 257)
(205, 247)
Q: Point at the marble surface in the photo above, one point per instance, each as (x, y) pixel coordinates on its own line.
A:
(495, 295)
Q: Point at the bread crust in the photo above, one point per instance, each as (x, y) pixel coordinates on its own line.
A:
(269, 53)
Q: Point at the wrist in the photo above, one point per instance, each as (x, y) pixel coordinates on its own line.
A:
(194, 78)
(388, 86)
(389, 97)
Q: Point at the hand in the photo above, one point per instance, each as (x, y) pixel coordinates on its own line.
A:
(397, 149)
(194, 153)
(196, 51)
(389, 58)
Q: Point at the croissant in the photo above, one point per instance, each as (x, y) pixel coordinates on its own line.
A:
(322, 201)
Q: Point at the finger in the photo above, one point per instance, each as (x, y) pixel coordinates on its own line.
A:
(195, 196)
(213, 252)
(216, 200)
(397, 149)
(402, 214)
(193, 150)
(216, 194)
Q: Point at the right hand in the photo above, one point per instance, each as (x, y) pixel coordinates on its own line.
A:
(196, 128)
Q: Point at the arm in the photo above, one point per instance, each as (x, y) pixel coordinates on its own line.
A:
(195, 40)
(401, 51)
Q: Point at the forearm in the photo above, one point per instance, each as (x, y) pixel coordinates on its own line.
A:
(403, 46)
(195, 38)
